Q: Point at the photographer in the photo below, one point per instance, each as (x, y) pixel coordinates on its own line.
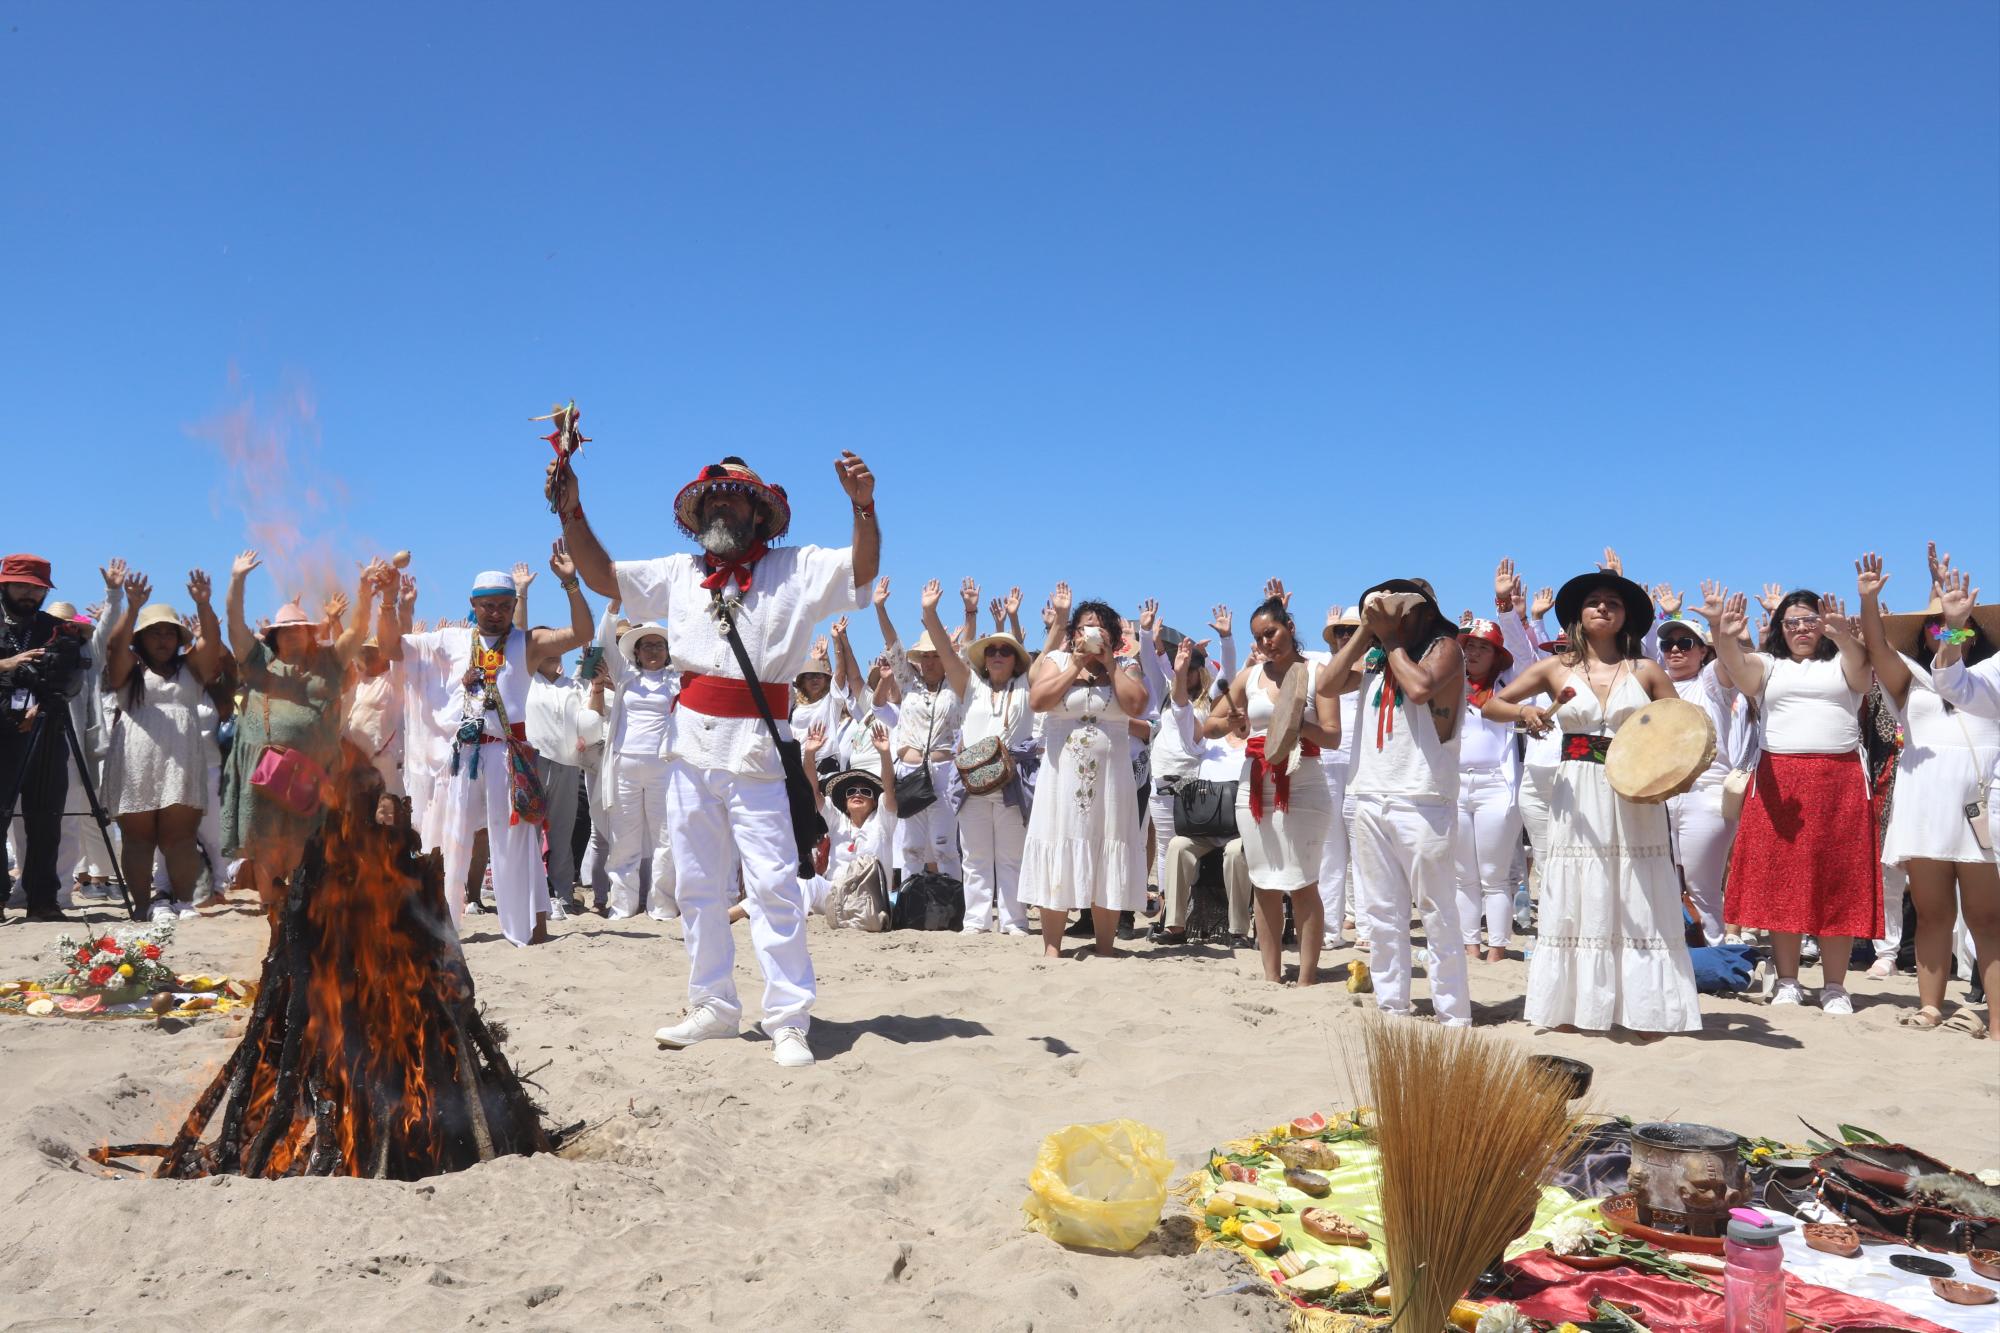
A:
(41, 661)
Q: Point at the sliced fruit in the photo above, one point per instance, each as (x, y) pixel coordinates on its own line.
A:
(1220, 1205)
(1250, 1196)
(42, 1007)
(1309, 1124)
(1262, 1235)
(1238, 1171)
(82, 1004)
(1316, 1279)
(1291, 1263)
(1465, 1315)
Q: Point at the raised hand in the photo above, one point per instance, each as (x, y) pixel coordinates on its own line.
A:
(1612, 562)
(1714, 598)
(855, 479)
(335, 606)
(409, 590)
(1833, 620)
(838, 628)
(243, 564)
(523, 576)
(1275, 587)
(957, 636)
(193, 628)
(1504, 579)
(1940, 564)
(882, 591)
(199, 588)
(1060, 599)
(1770, 597)
(137, 589)
(1736, 617)
(968, 592)
(998, 610)
(1013, 602)
(1868, 576)
(1220, 618)
(878, 736)
(559, 485)
(1669, 600)
(1957, 595)
(1149, 615)
(815, 738)
(932, 594)
(1545, 602)
(560, 563)
(819, 646)
(1048, 615)
(114, 576)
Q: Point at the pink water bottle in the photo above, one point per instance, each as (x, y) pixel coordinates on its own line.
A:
(1753, 1284)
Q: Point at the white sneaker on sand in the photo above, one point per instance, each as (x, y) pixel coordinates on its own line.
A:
(1013, 930)
(662, 914)
(1882, 969)
(703, 1022)
(186, 911)
(1332, 940)
(1835, 1000)
(556, 912)
(789, 1049)
(1788, 992)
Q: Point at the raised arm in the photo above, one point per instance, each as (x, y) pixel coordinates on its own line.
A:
(523, 576)
(954, 663)
(846, 667)
(968, 593)
(390, 622)
(815, 741)
(888, 626)
(546, 643)
(878, 736)
(206, 657)
(1847, 638)
(1890, 668)
(1012, 606)
(859, 483)
(1419, 681)
(241, 640)
(119, 659)
(1727, 618)
(564, 493)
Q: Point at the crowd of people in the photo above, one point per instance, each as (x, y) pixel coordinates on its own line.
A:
(695, 748)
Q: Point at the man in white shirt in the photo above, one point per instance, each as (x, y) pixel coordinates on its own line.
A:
(726, 795)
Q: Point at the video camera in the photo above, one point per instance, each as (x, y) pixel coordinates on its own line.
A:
(59, 674)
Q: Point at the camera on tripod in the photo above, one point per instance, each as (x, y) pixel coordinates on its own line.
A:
(57, 675)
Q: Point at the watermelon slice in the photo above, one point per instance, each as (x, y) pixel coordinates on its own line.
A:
(80, 1004)
(1309, 1124)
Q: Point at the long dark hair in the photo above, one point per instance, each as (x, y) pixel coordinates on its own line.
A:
(1774, 634)
(1274, 608)
(1631, 643)
(135, 684)
(1112, 622)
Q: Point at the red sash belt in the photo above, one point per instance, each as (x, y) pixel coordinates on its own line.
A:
(726, 696)
(1281, 781)
(519, 730)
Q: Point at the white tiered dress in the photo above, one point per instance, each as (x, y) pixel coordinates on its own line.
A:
(1084, 847)
(1611, 952)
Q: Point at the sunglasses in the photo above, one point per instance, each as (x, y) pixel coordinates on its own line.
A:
(1678, 645)
(1800, 624)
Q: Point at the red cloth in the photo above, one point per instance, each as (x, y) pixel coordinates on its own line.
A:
(726, 696)
(1551, 1289)
(720, 571)
(519, 731)
(1281, 781)
(1805, 859)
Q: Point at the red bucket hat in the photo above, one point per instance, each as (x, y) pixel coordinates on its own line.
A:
(29, 569)
(732, 474)
(1487, 632)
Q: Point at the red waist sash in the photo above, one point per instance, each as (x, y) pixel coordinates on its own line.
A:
(519, 732)
(1281, 781)
(726, 696)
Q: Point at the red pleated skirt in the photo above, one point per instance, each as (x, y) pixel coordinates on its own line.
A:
(1805, 860)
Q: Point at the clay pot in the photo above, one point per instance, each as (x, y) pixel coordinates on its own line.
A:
(1832, 1238)
(1686, 1177)
(1986, 1263)
(1962, 1293)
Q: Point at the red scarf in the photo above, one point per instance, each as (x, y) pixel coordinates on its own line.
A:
(720, 570)
(1281, 780)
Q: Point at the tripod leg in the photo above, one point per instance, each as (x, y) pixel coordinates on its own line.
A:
(96, 807)
(16, 788)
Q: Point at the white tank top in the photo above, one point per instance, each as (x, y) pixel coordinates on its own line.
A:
(1409, 762)
(1808, 708)
(1260, 707)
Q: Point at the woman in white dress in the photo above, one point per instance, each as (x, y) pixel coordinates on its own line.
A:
(1944, 766)
(156, 766)
(1084, 847)
(1283, 812)
(1611, 951)
(638, 750)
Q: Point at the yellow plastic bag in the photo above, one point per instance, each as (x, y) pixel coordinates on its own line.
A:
(1100, 1186)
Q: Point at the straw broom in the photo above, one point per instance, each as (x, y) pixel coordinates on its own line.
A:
(1468, 1129)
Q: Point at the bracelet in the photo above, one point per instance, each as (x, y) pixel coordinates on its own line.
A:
(1502, 604)
(573, 516)
(867, 512)
(571, 586)
(1939, 634)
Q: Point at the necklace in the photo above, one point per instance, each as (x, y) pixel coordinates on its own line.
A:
(489, 660)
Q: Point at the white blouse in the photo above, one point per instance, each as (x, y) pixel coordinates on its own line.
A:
(1809, 708)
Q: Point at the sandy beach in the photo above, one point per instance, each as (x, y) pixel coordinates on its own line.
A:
(881, 1188)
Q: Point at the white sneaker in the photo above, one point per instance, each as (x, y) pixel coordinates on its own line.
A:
(1882, 969)
(788, 1048)
(556, 912)
(661, 914)
(614, 914)
(1332, 940)
(703, 1022)
(1788, 992)
(1013, 930)
(1809, 950)
(187, 912)
(1835, 1000)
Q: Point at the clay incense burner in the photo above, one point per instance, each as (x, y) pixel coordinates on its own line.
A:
(1686, 1177)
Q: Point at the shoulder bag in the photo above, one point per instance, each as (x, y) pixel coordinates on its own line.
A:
(808, 825)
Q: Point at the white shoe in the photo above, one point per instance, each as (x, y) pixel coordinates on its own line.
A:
(1788, 992)
(1882, 969)
(1013, 930)
(703, 1022)
(616, 915)
(1732, 939)
(1835, 1000)
(556, 912)
(1332, 940)
(1809, 950)
(660, 914)
(187, 913)
(789, 1049)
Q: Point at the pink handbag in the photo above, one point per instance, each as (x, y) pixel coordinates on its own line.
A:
(286, 775)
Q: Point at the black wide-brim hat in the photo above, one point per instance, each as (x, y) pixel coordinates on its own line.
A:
(1638, 602)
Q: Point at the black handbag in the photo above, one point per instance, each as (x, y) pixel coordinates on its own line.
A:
(808, 825)
(1205, 808)
(915, 792)
(929, 902)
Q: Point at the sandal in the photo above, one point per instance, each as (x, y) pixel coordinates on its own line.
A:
(1926, 1018)
(1967, 1022)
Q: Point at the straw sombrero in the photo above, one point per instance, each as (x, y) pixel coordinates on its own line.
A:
(976, 654)
(732, 474)
(1905, 632)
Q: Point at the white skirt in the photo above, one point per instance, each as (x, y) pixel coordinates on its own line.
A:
(1084, 847)
(1283, 850)
(1927, 807)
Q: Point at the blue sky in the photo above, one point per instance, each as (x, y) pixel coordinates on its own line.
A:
(1161, 298)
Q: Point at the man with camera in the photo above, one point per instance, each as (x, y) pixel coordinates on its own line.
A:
(41, 669)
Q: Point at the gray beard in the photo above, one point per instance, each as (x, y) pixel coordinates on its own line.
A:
(724, 542)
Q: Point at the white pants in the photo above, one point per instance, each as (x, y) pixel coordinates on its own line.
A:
(931, 836)
(992, 834)
(83, 850)
(1537, 782)
(1403, 853)
(1160, 808)
(1489, 830)
(513, 851)
(714, 818)
(1333, 856)
(1701, 839)
(1183, 863)
(1896, 883)
(637, 829)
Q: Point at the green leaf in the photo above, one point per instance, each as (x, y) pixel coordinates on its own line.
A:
(1855, 1134)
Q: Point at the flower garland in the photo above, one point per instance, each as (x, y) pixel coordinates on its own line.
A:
(1940, 635)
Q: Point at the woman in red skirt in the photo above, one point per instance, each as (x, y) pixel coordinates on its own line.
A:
(1805, 860)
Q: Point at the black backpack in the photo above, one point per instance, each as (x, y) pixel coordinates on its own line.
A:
(929, 902)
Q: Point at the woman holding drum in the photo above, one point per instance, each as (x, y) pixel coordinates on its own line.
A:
(1611, 951)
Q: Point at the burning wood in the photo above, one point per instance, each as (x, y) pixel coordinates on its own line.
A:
(364, 1054)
